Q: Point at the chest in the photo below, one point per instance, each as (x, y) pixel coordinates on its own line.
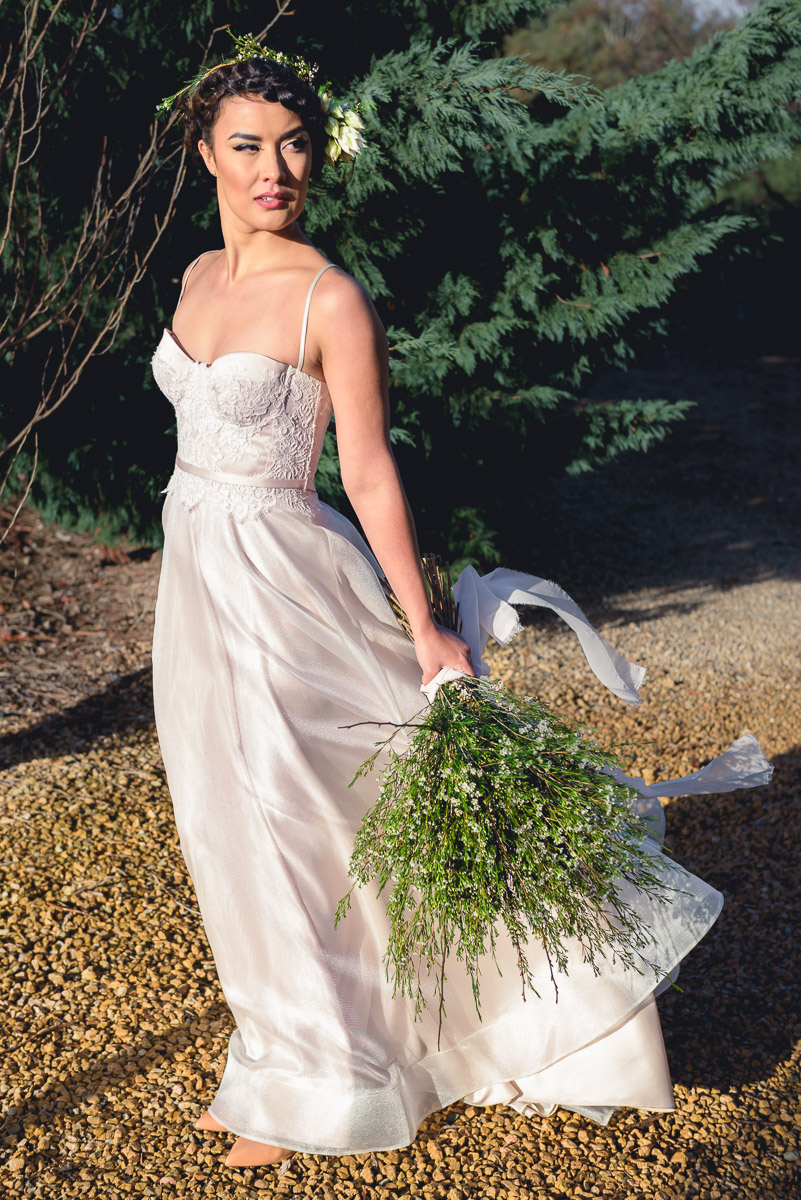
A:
(210, 324)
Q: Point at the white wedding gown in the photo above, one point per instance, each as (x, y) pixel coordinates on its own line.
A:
(273, 644)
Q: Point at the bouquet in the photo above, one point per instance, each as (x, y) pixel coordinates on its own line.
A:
(500, 812)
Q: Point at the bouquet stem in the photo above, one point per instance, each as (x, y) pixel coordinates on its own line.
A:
(501, 819)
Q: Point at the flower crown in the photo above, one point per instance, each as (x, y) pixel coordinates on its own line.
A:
(343, 126)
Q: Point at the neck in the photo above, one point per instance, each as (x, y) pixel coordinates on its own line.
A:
(248, 250)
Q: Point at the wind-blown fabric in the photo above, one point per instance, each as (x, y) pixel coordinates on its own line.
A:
(485, 607)
(274, 654)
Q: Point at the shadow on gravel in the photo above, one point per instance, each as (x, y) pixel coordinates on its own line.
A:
(718, 502)
(739, 1019)
(126, 703)
(153, 1049)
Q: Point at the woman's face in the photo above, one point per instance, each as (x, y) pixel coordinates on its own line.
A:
(261, 156)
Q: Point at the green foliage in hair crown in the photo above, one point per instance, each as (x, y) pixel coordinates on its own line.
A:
(343, 126)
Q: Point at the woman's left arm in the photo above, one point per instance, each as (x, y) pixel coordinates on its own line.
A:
(355, 359)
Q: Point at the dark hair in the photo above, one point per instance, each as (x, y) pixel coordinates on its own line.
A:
(252, 77)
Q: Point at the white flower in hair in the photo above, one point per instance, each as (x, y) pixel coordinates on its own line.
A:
(343, 127)
(343, 124)
(351, 140)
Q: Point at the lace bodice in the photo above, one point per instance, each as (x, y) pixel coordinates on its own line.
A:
(244, 415)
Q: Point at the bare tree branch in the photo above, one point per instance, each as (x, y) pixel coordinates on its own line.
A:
(283, 11)
(24, 497)
(65, 287)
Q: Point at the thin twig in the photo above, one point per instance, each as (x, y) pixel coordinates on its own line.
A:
(16, 512)
(441, 1010)
(380, 724)
(444, 609)
(282, 6)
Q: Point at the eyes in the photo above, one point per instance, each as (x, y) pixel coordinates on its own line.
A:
(297, 144)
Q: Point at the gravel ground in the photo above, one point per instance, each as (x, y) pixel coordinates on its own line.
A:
(114, 1025)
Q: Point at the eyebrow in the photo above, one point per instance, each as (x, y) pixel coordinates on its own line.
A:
(255, 137)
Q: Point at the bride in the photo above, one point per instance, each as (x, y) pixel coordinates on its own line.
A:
(274, 647)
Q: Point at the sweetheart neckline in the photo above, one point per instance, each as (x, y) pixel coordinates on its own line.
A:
(238, 353)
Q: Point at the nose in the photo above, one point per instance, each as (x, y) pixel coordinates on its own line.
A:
(273, 166)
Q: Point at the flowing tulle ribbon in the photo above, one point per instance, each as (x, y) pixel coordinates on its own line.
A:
(743, 765)
(485, 605)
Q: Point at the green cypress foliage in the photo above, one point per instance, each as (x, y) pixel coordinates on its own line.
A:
(517, 256)
(513, 249)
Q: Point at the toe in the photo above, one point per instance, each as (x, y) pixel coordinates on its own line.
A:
(247, 1153)
(207, 1121)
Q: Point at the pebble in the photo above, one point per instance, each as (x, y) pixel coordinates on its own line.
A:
(115, 1026)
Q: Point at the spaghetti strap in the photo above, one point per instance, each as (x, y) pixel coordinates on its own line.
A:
(189, 271)
(306, 314)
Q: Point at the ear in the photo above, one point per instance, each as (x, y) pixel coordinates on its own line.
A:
(207, 155)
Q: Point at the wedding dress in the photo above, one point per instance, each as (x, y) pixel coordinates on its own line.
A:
(274, 648)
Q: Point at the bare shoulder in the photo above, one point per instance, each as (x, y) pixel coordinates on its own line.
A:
(203, 260)
(343, 298)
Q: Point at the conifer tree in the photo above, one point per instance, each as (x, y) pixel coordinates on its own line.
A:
(512, 248)
(515, 256)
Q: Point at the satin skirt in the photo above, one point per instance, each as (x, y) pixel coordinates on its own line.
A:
(274, 653)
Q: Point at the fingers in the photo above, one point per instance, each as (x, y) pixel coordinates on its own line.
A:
(468, 667)
(462, 663)
(446, 649)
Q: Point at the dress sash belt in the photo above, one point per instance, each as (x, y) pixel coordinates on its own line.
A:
(266, 481)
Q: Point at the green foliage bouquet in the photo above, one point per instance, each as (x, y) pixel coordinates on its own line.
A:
(500, 812)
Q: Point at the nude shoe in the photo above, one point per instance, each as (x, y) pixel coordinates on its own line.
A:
(247, 1153)
(207, 1121)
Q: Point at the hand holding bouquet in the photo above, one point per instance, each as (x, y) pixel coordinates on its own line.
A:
(501, 813)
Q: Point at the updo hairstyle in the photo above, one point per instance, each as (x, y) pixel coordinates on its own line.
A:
(252, 77)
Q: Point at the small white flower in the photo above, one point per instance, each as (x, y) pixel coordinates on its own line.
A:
(351, 141)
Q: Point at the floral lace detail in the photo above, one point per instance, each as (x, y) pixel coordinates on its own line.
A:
(171, 377)
(295, 426)
(240, 501)
(244, 414)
